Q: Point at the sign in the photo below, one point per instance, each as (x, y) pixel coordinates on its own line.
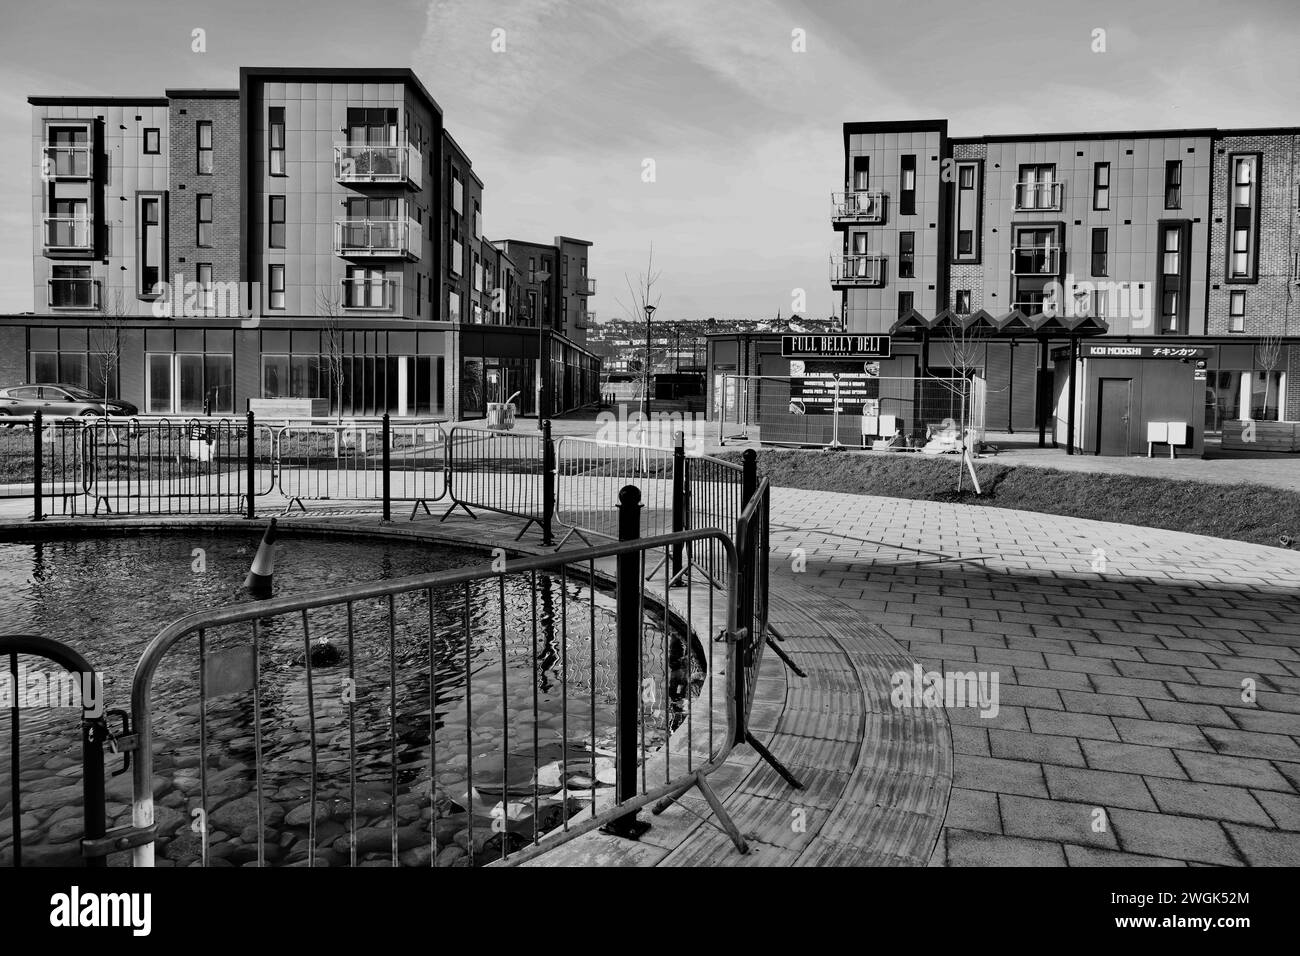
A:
(815, 391)
(835, 346)
(1091, 350)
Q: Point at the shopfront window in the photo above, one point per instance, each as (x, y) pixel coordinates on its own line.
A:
(190, 383)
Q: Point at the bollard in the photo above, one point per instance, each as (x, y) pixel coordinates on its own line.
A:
(548, 483)
(260, 575)
(387, 439)
(628, 616)
(38, 466)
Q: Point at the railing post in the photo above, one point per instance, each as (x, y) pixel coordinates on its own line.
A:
(250, 493)
(627, 589)
(748, 477)
(679, 497)
(38, 468)
(387, 438)
(746, 556)
(548, 483)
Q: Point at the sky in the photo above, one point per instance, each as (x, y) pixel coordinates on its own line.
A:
(738, 103)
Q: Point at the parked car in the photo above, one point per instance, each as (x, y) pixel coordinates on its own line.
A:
(58, 401)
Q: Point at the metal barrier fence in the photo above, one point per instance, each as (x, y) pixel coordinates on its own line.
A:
(66, 688)
(347, 461)
(589, 474)
(511, 474)
(514, 727)
(844, 411)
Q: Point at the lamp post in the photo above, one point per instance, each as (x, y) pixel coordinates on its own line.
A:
(543, 359)
(645, 392)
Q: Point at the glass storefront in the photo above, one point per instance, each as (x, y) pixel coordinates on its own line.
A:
(189, 383)
(367, 385)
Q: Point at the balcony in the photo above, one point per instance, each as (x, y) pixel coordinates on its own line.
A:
(1036, 260)
(68, 234)
(858, 206)
(859, 271)
(359, 164)
(72, 293)
(586, 286)
(371, 294)
(1035, 196)
(377, 238)
(66, 161)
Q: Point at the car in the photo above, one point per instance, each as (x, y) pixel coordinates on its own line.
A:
(59, 401)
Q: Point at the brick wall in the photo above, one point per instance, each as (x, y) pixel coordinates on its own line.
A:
(967, 275)
(187, 183)
(1272, 303)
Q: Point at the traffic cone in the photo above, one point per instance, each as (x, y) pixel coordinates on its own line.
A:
(258, 582)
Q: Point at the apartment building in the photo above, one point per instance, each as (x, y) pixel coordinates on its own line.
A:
(208, 247)
(1181, 244)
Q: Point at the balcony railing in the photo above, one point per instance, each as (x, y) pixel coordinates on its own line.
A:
(1036, 260)
(372, 294)
(857, 270)
(1039, 195)
(67, 233)
(377, 238)
(365, 163)
(66, 161)
(586, 285)
(72, 293)
(859, 206)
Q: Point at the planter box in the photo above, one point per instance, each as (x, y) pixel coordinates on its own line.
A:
(1269, 436)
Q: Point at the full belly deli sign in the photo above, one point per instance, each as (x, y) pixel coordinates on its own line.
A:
(835, 346)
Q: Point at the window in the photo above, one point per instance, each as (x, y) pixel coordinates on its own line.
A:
(861, 165)
(963, 302)
(1171, 257)
(71, 287)
(905, 300)
(203, 274)
(453, 306)
(966, 177)
(457, 193)
(906, 255)
(1100, 187)
(152, 141)
(203, 141)
(67, 151)
(1173, 184)
(1100, 247)
(275, 286)
(1172, 285)
(152, 256)
(1241, 262)
(965, 242)
(365, 288)
(189, 382)
(203, 220)
(907, 185)
(275, 222)
(375, 126)
(1038, 188)
(1237, 311)
(478, 220)
(275, 140)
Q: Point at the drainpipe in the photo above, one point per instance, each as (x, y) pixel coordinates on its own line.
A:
(1069, 418)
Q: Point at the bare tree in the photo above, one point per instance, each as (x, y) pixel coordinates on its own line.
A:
(106, 340)
(966, 344)
(643, 301)
(329, 305)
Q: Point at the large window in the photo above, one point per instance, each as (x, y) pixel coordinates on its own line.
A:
(365, 288)
(152, 252)
(71, 287)
(275, 286)
(861, 165)
(203, 144)
(1100, 250)
(1173, 184)
(906, 255)
(189, 382)
(1242, 213)
(371, 384)
(1237, 311)
(275, 140)
(1038, 188)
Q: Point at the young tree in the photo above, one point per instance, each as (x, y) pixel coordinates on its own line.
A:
(966, 343)
(641, 305)
(329, 305)
(106, 341)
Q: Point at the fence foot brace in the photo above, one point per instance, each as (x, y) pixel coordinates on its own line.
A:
(454, 506)
(569, 534)
(107, 507)
(289, 507)
(720, 812)
(527, 525)
(680, 578)
(775, 764)
(418, 505)
(785, 658)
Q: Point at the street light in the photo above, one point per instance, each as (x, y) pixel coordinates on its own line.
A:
(645, 392)
(538, 278)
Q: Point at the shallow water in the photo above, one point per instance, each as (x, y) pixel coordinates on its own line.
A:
(493, 759)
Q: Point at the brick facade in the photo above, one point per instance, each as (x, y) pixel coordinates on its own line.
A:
(223, 184)
(967, 275)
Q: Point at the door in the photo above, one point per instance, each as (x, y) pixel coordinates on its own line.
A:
(1113, 414)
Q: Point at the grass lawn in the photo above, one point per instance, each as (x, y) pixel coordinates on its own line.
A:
(1254, 513)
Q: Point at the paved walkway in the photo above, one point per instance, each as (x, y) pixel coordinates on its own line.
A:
(1125, 732)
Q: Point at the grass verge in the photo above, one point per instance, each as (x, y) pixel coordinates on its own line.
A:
(1256, 513)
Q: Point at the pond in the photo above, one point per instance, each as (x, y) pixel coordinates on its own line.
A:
(489, 662)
